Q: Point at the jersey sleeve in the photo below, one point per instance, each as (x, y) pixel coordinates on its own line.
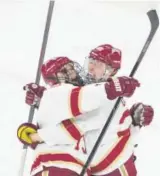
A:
(67, 101)
(49, 135)
(87, 98)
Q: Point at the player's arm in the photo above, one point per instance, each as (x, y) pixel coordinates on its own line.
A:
(88, 98)
(30, 135)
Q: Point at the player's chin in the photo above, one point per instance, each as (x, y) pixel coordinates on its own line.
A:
(98, 77)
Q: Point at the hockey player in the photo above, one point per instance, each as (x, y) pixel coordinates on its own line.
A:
(102, 64)
(60, 107)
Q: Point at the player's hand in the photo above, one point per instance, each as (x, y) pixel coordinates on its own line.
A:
(34, 93)
(142, 114)
(121, 86)
(23, 133)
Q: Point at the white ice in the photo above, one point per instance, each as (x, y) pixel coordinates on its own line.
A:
(77, 26)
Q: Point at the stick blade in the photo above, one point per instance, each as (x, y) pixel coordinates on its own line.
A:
(154, 19)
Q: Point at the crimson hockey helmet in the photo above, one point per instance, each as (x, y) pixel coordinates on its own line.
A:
(50, 69)
(108, 54)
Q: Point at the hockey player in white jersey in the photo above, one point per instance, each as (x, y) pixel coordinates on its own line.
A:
(102, 63)
(61, 102)
(56, 154)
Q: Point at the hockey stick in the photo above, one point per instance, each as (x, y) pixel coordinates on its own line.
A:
(38, 75)
(154, 21)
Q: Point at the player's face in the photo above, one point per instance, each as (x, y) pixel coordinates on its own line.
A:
(99, 70)
(70, 71)
(61, 77)
(67, 73)
(96, 69)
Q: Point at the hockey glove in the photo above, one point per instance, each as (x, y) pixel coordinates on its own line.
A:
(142, 115)
(34, 93)
(23, 133)
(121, 86)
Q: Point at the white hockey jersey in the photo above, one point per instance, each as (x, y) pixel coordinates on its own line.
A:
(68, 116)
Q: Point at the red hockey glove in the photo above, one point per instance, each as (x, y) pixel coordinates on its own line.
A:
(23, 132)
(121, 86)
(34, 93)
(142, 114)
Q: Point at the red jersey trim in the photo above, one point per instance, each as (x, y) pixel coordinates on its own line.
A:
(74, 102)
(72, 129)
(124, 116)
(112, 156)
(49, 157)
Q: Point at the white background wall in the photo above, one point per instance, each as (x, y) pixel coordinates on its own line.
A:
(77, 26)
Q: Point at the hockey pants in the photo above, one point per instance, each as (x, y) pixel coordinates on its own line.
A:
(55, 171)
(127, 169)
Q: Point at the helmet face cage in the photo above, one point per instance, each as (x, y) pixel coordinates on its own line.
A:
(80, 78)
(106, 54)
(65, 73)
(90, 78)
